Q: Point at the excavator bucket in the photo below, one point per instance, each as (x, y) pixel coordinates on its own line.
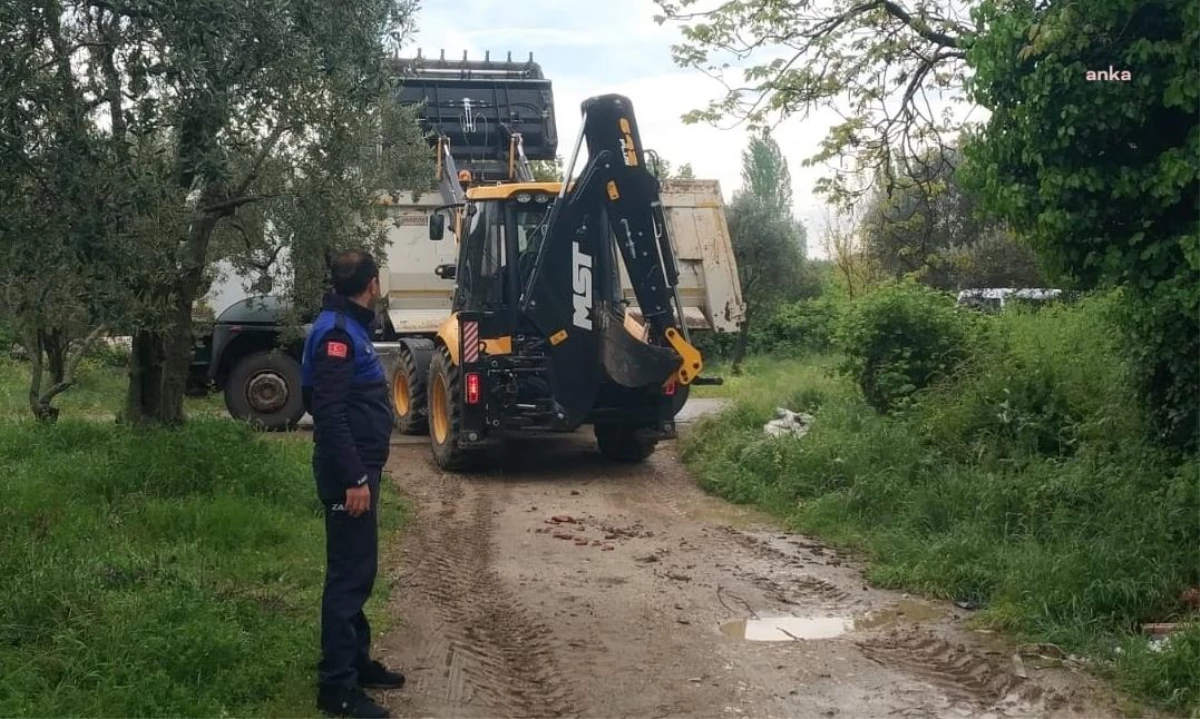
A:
(479, 107)
(629, 361)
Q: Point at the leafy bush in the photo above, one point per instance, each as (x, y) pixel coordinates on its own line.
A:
(715, 346)
(1042, 161)
(104, 354)
(1040, 381)
(1162, 333)
(796, 329)
(900, 339)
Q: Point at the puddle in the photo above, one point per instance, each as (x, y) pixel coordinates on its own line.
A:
(903, 611)
(789, 628)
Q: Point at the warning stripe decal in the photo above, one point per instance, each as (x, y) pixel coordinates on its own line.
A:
(470, 342)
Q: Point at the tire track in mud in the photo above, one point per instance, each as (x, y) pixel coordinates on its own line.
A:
(481, 648)
(965, 674)
(781, 573)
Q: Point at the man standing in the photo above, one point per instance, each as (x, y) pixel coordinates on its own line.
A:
(345, 390)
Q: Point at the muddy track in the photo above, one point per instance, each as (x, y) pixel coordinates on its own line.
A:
(490, 653)
(968, 675)
(559, 584)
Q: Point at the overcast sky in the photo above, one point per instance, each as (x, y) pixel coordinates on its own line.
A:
(590, 48)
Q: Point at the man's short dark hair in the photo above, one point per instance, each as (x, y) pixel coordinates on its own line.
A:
(352, 271)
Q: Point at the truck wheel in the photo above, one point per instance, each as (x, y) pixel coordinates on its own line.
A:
(445, 414)
(622, 443)
(409, 396)
(264, 389)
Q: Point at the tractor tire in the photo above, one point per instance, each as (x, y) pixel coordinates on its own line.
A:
(410, 401)
(445, 414)
(620, 442)
(264, 390)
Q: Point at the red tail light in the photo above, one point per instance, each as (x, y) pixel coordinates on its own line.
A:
(669, 389)
(473, 389)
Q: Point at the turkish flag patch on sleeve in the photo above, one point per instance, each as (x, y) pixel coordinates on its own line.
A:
(336, 349)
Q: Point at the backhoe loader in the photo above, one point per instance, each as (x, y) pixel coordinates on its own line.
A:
(539, 338)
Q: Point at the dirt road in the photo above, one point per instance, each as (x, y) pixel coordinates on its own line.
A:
(565, 585)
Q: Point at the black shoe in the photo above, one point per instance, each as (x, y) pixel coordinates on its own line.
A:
(350, 703)
(376, 676)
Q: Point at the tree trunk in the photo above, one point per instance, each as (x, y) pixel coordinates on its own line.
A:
(158, 370)
(42, 411)
(55, 343)
(161, 359)
(739, 349)
(144, 399)
(63, 372)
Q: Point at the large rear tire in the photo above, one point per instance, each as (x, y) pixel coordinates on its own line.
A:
(622, 443)
(264, 390)
(409, 395)
(445, 414)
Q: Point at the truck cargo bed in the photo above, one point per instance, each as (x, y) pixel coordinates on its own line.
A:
(418, 300)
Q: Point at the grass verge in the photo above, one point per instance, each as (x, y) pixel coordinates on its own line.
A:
(1023, 485)
(160, 573)
(99, 392)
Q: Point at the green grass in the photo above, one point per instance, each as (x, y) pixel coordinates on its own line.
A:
(160, 573)
(99, 391)
(765, 382)
(1024, 484)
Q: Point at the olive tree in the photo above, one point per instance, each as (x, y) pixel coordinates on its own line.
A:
(217, 117)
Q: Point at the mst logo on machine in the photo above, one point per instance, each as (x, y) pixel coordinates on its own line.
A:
(628, 149)
(581, 281)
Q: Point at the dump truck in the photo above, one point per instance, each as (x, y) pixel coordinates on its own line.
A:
(506, 121)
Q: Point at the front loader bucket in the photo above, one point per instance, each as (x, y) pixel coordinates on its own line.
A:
(629, 361)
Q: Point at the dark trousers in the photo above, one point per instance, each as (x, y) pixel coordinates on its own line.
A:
(351, 561)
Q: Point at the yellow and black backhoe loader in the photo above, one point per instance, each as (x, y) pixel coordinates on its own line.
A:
(539, 338)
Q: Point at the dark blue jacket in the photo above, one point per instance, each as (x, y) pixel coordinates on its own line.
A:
(346, 391)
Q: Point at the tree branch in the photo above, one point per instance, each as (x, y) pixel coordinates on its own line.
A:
(72, 366)
(71, 51)
(918, 26)
(233, 203)
(268, 145)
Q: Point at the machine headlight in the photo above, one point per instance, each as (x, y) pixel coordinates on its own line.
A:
(542, 198)
(524, 197)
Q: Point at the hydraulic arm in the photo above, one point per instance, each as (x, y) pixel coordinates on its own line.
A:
(570, 294)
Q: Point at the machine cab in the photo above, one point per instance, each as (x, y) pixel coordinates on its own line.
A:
(502, 226)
